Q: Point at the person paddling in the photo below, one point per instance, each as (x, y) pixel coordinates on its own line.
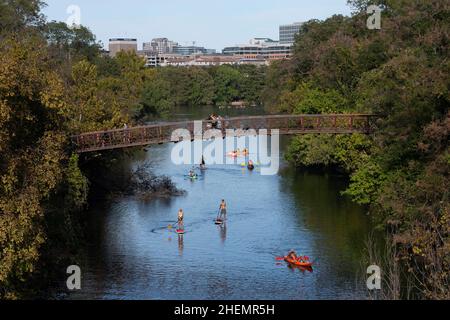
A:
(181, 219)
(292, 255)
(223, 210)
(251, 165)
(192, 174)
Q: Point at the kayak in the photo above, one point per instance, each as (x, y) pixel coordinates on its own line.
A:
(180, 231)
(218, 221)
(244, 164)
(298, 263)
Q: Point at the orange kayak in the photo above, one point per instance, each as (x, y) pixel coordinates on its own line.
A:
(298, 263)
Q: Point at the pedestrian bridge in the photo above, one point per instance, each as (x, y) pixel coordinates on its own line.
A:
(163, 132)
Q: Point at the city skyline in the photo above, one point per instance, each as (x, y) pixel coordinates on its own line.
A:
(220, 26)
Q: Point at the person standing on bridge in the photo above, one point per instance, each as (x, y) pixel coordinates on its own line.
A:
(214, 119)
(219, 122)
(126, 133)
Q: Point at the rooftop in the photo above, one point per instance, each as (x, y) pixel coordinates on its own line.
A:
(123, 39)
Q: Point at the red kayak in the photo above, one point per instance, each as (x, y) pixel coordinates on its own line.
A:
(298, 263)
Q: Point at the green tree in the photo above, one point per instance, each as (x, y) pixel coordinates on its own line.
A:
(71, 44)
(401, 172)
(157, 97)
(31, 153)
(17, 15)
(227, 82)
(309, 100)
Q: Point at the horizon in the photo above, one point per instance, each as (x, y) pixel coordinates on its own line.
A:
(212, 27)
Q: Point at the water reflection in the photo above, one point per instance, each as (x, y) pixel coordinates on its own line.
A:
(223, 232)
(180, 244)
(302, 270)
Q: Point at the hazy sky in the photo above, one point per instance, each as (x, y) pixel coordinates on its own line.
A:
(211, 23)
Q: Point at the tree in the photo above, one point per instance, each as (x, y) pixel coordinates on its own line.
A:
(31, 156)
(157, 97)
(227, 82)
(68, 44)
(309, 100)
(400, 73)
(16, 15)
(200, 87)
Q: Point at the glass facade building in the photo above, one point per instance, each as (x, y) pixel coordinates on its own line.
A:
(288, 32)
(189, 50)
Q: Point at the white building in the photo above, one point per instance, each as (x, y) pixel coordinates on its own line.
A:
(178, 60)
(261, 47)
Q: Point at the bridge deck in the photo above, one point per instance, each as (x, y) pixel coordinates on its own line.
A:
(163, 132)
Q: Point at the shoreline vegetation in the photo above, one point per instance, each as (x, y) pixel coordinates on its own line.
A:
(401, 172)
(145, 185)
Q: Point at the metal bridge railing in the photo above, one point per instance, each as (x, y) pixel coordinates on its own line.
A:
(162, 133)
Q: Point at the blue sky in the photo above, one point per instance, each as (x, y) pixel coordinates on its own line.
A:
(211, 23)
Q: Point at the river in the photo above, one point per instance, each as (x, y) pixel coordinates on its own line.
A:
(133, 254)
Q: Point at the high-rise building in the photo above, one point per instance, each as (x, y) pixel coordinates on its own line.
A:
(288, 32)
(122, 44)
(160, 46)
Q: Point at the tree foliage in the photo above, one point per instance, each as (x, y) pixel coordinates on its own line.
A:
(43, 101)
(400, 73)
(18, 15)
(31, 153)
(195, 86)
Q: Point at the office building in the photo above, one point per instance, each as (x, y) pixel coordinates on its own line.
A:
(157, 60)
(288, 32)
(261, 48)
(160, 46)
(117, 45)
(189, 50)
(176, 60)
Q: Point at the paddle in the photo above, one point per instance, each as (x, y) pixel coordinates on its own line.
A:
(172, 225)
(218, 215)
(298, 259)
(257, 164)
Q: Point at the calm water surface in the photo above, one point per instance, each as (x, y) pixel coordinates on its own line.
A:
(134, 255)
